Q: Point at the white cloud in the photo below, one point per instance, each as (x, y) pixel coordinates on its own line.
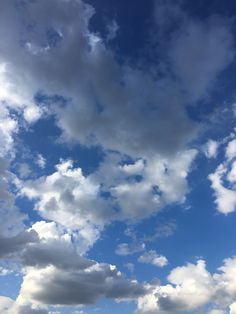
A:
(40, 161)
(192, 288)
(223, 182)
(119, 90)
(24, 170)
(225, 197)
(231, 149)
(124, 249)
(216, 311)
(161, 181)
(211, 149)
(72, 200)
(8, 127)
(77, 202)
(5, 304)
(151, 257)
(233, 308)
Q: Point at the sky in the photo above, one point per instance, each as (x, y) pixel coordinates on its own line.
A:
(117, 157)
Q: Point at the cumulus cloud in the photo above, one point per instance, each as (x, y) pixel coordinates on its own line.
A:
(223, 182)
(119, 89)
(115, 191)
(9, 306)
(191, 288)
(151, 257)
(50, 285)
(233, 308)
(11, 245)
(54, 273)
(5, 304)
(52, 63)
(54, 248)
(71, 199)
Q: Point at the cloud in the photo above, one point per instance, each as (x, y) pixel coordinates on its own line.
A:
(8, 128)
(199, 53)
(9, 306)
(12, 220)
(50, 285)
(72, 200)
(112, 29)
(140, 189)
(233, 308)
(90, 75)
(40, 161)
(192, 287)
(215, 311)
(223, 182)
(124, 249)
(231, 149)
(151, 257)
(54, 248)
(5, 304)
(11, 245)
(211, 148)
(51, 63)
(116, 191)
(54, 273)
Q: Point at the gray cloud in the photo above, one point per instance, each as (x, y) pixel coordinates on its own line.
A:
(90, 75)
(56, 286)
(54, 252)
(11, 245)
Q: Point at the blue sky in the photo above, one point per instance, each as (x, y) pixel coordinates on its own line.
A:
(117, 157)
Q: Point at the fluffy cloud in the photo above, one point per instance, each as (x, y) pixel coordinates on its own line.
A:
(11, 245)
(231, 149)
(5, 304)
(54, 248)
(151, 257)
(215, 311)
(191, 288)
(116, 191)
(211, 148)
(223, 181)
(52, 63)
(71, 199)
(149, 184)
(9, 306)
(233, 308)
(56, 274)
(53, 286)
(119, 90)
